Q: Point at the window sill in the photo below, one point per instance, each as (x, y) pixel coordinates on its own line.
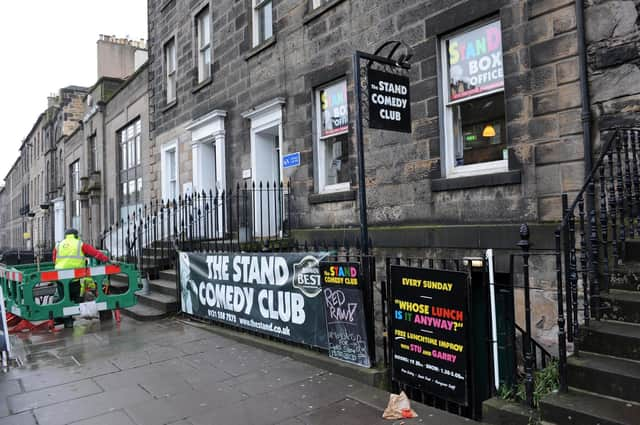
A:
(169, 106)
(483, 180)
(202, 85)
(260, 47)
(323, 198)
(313, 14)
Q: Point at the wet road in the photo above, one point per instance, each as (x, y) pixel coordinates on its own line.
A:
(169, 372)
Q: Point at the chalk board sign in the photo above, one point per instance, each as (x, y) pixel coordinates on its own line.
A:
(346, 330)
(429, 321)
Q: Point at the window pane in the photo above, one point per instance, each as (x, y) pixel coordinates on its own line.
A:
(132, 187)
(267, 16)
(123, 156)
(138, 149)
(138, 127)
(479, 130)
(336, 157)
(334, 110)
(131, 154)
(139, 184)
(474, 61)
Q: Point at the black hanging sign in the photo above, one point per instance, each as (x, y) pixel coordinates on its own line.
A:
(429, 321)
(278, 295)
(389, 101)
(346, 330)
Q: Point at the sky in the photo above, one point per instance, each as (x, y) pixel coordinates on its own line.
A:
(50, 44)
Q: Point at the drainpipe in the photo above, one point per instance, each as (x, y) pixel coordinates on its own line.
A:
(586, 99)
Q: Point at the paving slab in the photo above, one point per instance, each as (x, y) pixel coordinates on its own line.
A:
(183, 405)
(90, 406)
(25, 418)
(52, 395)
(117, 417)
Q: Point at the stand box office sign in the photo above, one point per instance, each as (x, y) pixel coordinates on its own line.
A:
(429, 322)
(389, 101)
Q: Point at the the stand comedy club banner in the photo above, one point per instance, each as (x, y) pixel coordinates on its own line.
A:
(276, 294)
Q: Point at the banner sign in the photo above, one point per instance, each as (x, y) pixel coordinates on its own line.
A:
(475, 62)
(429, 318)
(275, 294)
(389, 101)
(346, 330)
(335, 110)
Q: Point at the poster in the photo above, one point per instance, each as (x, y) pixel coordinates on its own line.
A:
(389, 101)
(334, 110)
(474, 60)
(275, 294)
(346, 323)
(429, 321)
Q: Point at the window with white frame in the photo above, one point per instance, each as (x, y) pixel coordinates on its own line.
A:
(203, 37)
(130, 168)
(74, 171)
(170, 69)
(262, 21)
(332, 137)
(474, 112)
(169, 164)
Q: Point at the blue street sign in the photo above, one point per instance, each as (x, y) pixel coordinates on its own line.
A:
(291, 160)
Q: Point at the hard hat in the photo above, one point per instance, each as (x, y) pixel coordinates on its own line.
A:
(73, 232)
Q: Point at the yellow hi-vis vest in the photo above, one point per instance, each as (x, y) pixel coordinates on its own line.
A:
(69, 254)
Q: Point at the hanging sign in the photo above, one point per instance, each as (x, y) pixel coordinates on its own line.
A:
(346, 330)
(474, 61)
(429, 320)
(389, 101)
(278, 295)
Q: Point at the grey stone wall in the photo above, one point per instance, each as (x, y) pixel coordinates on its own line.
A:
(613, 46)
(541, 90)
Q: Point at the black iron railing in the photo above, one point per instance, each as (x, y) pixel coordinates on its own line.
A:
(589, 245)
(249, 215)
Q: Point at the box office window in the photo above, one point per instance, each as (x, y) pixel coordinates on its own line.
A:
(474, 113)
(332, 137)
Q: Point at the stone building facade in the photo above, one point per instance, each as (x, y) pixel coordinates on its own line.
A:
(495, 108)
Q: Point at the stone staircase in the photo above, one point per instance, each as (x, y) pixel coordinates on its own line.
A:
(604, 377)
(160, 302)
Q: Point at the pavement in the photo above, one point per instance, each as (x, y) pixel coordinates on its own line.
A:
(170, 372)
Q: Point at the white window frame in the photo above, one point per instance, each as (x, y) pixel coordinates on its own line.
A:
(318, 140)
(166, 178)
(451, 170)
(258, 36)
(203, 19)
(315, 4)
(170, 66)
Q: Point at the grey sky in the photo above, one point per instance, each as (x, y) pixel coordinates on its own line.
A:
(49, 44)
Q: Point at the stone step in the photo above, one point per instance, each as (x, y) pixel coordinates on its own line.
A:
(583, 408)
(626, 276)
(145, 313)
(163, 286)
(162, 302)
(611, 376)
(632, 250)
(612, 338)
(169, 275)
(624, 306)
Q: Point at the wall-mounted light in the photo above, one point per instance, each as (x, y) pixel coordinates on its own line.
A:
(489, 131)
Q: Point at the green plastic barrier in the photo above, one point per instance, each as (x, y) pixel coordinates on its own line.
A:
(25, 285)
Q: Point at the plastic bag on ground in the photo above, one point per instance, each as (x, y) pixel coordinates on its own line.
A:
(399, 407)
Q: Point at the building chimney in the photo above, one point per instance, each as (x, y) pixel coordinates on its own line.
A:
(119, 57)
